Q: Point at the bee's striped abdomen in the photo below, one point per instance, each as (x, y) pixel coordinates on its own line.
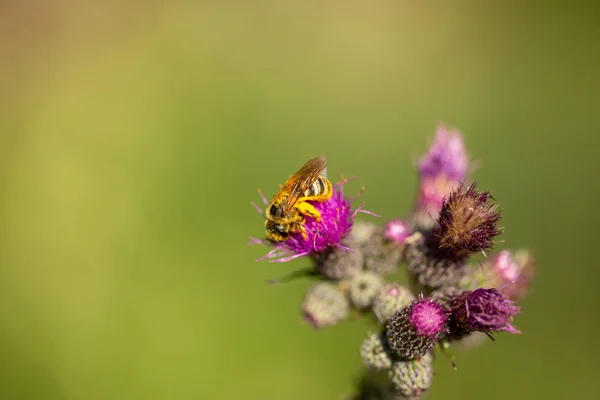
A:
(318, 188)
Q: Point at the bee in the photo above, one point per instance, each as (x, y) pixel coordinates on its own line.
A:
(287, 211)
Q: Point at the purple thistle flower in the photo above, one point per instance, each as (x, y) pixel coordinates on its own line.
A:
(432, 192)
(414, 330)
(447, 156)
(428, 318)
(481, 310)
(513, 272)
(441, 169)
(337, 218)
(397, 231)
(468, 222)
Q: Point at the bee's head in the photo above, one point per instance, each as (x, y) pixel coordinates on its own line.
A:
(277, 232)
(275, 211)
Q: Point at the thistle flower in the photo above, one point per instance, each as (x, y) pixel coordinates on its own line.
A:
(432, 192)
(441, 169)
(337, 218)
(481, 310)
(411, 379)
(469, 341)
(392, 298)
(375, 352)
(325, 305)
(363, 288)
(468, 223)
(446, 156)
(414, 330)
(397, 231)
(513, 272)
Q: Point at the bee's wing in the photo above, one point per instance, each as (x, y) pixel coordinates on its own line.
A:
(302, 180)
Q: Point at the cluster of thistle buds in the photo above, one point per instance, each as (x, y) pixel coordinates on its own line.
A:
(450, 298)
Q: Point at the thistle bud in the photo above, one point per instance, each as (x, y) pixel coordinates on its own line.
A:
(412, 378)
(340, 262)
(382, 252)
(430, 267)
(361, 233)
(446, 293)
(414, 330)
(391, 298)
(375, 352)
(325, 305)
(364, 286)
(481, 310)
(468, 222)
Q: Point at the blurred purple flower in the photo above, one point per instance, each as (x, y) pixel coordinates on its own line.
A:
(447, 156)
(397, 231)
(513, 272)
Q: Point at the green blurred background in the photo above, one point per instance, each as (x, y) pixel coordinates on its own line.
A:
(134, 135)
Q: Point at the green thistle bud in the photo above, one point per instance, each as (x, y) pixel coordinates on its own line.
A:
(412, 378)
(340, 263)
(375, 352)
(431, 268)
(382, 254)
(446, 293)
(325, 305)
(364, 286)
(392, 298)
(360, 234)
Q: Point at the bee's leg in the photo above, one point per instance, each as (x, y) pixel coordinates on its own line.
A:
(308, 209)
(302, 231)
(298, 227)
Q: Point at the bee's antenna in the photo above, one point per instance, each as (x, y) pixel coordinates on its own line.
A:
(309, 271)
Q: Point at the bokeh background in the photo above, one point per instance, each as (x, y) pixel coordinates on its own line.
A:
(133, 136)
